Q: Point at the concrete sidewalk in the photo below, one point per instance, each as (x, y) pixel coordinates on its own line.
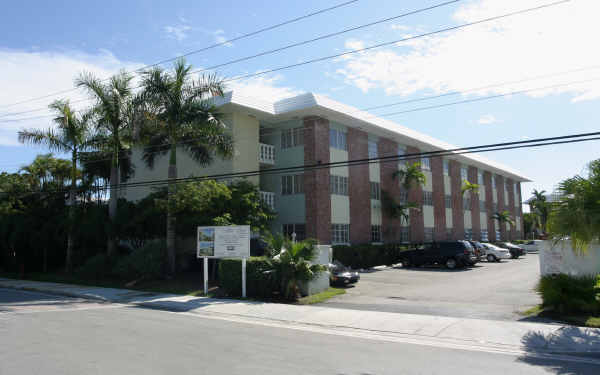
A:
(470, 334)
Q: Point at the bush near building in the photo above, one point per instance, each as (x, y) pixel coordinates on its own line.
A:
(261, 280)
(367, 256)
(566, 294)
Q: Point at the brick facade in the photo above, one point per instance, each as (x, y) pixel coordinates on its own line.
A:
(489, 201)
(390, 226)
(501, 205)
(439, 204)
(475, 217)
(415, 195)
(316, 182)
(512, 235)
(359, 187)
(520, 198)
(458, 219)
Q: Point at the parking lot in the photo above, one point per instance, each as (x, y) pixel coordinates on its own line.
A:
(486, 291)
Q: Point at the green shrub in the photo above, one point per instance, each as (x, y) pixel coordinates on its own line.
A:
(146, 261)
(569, 294)
(367, 256)
(95, 268)
(261, 278)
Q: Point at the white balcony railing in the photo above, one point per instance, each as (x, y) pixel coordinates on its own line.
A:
(268, 198)
(266, 154)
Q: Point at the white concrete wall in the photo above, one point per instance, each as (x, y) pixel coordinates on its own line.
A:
(428, 181)
(340, 209)
(428, 217)
(449, 218)
(560, 258)
(467, 220)
(482, 220)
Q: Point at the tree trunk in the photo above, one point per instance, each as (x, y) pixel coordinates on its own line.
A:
(112, 209)
(171, 221)
(69, 258)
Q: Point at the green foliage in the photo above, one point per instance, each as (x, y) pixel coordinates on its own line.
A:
(147, 262)
(397, 210)
(95, 268)
(540, 210)
(294, 266)
(468, 186)
(261, 279)
(503, 217)
(367, 256)
(569, 294)
(410, 176)
(577, 214)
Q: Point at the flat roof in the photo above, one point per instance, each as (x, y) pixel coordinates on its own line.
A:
(310, 104)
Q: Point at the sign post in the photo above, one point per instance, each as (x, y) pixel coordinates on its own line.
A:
(224, 242)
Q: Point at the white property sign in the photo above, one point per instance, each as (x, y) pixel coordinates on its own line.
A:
(224, 242)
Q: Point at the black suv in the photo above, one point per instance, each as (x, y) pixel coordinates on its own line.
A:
(451, 254)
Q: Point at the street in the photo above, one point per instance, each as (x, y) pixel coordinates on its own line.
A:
(487, 291)
(42, 334)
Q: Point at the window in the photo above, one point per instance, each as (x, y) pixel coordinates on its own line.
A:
(427, 198)
(448, 201)
(498, 238)
(425, 164)
(467, 204)
(484, 235)
(446, 164)
(516, 192)
(494, 181)
(338, 185)
(339, 233)
(482, 206)
(463, 174)
(375, 191)
(401, 152)
(404, 234)
(403, 196)
(375, 233)
(292, 137)
(428, 234)
(480, 178)
(372, 150)
(299, 229)
(293, 184)
(337, 139)
(468, 234)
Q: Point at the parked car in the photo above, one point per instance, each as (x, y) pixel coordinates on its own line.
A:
(451, 254)
(479, 249)
(532, 246)
(494, 253)
(341, 275)
(515, 251)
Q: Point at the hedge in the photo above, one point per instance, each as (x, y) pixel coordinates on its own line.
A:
(367, 256)
(261, 280)
(570, 294)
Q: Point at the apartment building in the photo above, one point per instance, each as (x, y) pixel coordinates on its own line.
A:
(343, 203)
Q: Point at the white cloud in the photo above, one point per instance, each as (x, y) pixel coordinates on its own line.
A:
(549, 40)
(221, 38)
(179, 32)
(487, 119)
(263, 87)
(27, 74)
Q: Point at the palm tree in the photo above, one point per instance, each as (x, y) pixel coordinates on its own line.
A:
(113, 102)
(410, 176)
(468, 186)
(183, 118)
(503, 217)
(539, 206)
(72, 134)
(397, 210)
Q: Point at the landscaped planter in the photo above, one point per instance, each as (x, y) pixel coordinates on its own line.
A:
(557, 258)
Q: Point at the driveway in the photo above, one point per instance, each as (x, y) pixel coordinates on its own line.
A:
(487, 291)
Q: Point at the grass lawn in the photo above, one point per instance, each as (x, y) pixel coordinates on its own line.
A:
(320, 297)
(578, 320)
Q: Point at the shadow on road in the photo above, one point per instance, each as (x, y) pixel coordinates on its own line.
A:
(184, 306)
(582, 342)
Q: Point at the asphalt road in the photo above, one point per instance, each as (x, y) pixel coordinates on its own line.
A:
(494, 291)
(42, 334)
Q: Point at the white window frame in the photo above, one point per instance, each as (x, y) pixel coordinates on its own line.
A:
(292, 184)
(376, 234)
(338, 185)
(338, 139)
(340, 234)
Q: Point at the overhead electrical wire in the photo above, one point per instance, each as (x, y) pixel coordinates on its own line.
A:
(538, 142)
(222, 43)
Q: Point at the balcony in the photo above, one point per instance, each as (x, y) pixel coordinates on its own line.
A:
(268, 198)
(266, 154)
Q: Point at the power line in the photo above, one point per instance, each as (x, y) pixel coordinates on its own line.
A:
(362, 49)
(396, 41)
(547, 141)
(247, 35)
(279, 49)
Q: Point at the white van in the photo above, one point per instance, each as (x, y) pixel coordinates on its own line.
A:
(532, 246)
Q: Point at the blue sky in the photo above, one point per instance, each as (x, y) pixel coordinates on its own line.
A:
(44, 45)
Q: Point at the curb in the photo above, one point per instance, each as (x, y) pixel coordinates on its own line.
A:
(57, 292)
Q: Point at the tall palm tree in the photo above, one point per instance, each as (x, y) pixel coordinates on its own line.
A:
(183, 118)
(539, 207)
(113, 100)
(71, 134)
(503, 217)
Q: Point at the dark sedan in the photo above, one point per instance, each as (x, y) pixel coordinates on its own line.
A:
(341, 275)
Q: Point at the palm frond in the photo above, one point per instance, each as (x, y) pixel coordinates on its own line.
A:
(49, 138)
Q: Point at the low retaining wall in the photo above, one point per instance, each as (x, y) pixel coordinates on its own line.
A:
(559, 257)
